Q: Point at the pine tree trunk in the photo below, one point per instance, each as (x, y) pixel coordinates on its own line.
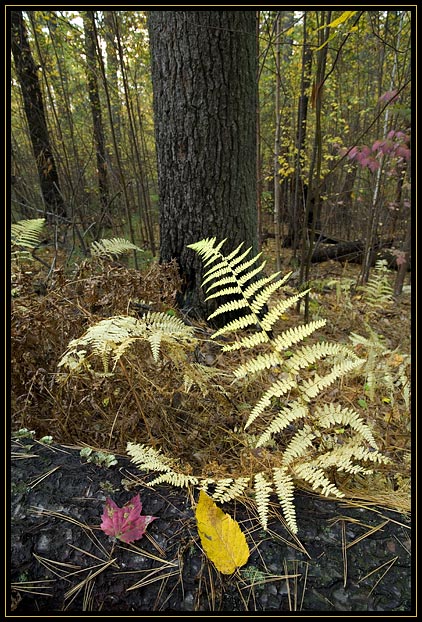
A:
(34, 109)
(204, 83)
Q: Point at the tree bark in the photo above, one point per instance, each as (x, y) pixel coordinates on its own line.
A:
(204, 85)
(27, 73)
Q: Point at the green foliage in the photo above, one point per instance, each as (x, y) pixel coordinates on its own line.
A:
(99, 458)
(313, 451)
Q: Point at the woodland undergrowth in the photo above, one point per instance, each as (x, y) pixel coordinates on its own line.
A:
(191, 410)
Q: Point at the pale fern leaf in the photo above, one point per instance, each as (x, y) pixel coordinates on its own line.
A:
(247, 342)
(229, 306)
(263, 490)
(284, 487)
(299, 445)
(149, 459)
(229, 488)
(259, 363)
(179, 480)
(112, 247)
(297, 333)
(312, 387)
(335, 414)
(285, 417)
(27, 233)
(277, 389)
(238, 324)
(277, 311)
(317, 478)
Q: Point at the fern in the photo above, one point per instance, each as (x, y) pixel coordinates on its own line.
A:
(229, 488)
(385, 370)
(112, 248)
(334, 414)
(110, 338)
(377, 292)
(312, 452)
(149, 459)
(263, 489)
(25, 237)
(284, 486)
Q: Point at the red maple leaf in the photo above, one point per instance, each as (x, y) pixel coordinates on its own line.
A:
(125, 523)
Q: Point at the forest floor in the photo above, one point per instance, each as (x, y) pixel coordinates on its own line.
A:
(349, 555)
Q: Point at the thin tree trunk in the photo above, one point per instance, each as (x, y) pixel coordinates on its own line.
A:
(258, 148)
(141, 180)
(404, 264)
(297, 217)
(94, 98)
(27, 73)
(112, 69)
(276, 163)
(116, 147)
(314, 180)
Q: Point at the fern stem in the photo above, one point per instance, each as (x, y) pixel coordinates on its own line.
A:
(148, 429)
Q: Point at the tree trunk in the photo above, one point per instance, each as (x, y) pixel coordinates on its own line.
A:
(34, 109)
(204, 84)
(297, 210)
(94, 98)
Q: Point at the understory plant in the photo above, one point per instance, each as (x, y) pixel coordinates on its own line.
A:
(322, 438)
(297, 434)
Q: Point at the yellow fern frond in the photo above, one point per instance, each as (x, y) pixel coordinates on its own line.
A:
(233, 305)
(254, 287)
(229, 488)
(317, 478)
(277, 389)
(297, 333)
(341, 458)
(263, 490)
(277, 311)
(247, 342)
(179, 480)
(308, 355)
(335, 414)
(149, 459)
(259, 363)
(285, 417)
(263, 297)
(312, 387)
(299, 445)
(112, 247)
(372, 455)
(238, 324)
(27, 233)
(113, 336)
(284, 487)
(155, 343)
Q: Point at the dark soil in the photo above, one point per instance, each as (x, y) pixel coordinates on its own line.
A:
(345, 559)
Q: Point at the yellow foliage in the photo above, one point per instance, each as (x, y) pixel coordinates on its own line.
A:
(222, 539)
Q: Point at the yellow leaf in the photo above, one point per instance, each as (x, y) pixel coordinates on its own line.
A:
(222, 539)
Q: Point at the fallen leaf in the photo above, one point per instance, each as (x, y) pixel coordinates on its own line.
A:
(125, 523)
(222, 539)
